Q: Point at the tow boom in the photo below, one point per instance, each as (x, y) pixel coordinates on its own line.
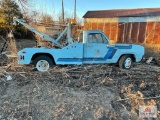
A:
(42, 35)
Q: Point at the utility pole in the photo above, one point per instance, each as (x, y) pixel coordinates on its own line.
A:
(62, 12)
(75, 9)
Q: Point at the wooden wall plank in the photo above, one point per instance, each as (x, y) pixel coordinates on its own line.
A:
(127, 34)
(94, 26)
(100, 26)
(156, 37)
(142, 31)
(134, 32)
(87, 26)
(120, 37)
(149, 32)
(107, 29)
(113, 34)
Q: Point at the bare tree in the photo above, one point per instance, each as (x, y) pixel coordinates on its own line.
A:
(22, 3)
(47, 19)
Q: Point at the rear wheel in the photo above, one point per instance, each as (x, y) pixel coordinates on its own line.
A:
(126, 62)
(42, 63)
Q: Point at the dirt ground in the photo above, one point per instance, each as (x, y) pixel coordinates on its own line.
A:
(87, 92)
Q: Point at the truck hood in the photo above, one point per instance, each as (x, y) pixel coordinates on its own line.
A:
(32, 50)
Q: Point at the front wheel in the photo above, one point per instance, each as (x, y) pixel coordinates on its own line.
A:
(125, 62)
(42, 63)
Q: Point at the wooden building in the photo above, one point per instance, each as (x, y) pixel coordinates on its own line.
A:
(126, 25)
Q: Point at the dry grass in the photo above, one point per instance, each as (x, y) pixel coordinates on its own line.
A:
(12, 48)
(9, 44)
(60, 93)
(152, 51)
(9, 51)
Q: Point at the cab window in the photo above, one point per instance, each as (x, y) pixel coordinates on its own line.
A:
(97, 38)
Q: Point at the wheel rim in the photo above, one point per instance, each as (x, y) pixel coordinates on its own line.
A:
(128, 63)
(42, 65)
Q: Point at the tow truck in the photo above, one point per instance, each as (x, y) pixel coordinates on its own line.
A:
(92, 47)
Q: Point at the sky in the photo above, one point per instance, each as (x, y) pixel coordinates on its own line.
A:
(55, 6)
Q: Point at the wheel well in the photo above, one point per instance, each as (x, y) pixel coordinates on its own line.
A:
(132, 55)
(44, 54)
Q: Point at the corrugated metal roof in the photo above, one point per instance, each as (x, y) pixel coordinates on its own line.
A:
(123, 13)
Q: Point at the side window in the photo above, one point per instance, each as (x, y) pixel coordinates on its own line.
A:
(104, 39)
(97, 38)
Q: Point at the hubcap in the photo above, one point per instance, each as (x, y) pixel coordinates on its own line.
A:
(42, 65)
(128, 63)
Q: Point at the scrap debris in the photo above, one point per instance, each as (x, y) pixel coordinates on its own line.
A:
(149, 60)
(153, 60)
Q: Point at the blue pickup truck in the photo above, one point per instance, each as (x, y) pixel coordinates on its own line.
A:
(92, 47)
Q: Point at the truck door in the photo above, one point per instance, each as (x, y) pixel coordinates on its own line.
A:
(95, 49)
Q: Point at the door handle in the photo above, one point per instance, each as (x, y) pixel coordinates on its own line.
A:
(107, 46)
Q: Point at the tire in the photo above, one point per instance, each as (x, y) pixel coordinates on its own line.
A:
(42, 63)
(126, 62)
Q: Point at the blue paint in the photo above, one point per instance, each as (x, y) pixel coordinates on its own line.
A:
(111, 52)
(70, 59)
(88, 59)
